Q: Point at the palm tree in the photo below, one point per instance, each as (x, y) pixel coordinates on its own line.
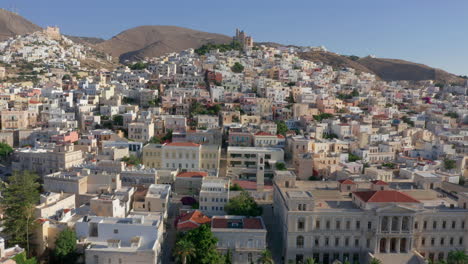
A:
(375, 261)
(184, 249)
(310, 261)
(265, 257)
(457, 257)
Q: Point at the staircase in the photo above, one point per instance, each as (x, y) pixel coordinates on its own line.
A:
(400, 258)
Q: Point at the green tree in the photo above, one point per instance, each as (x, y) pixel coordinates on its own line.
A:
(329, 135)
(352, 157)
(18, 200)
(375, 261)
(280, 166)
(408, 121)
(118, 120)
(266, 257)
(310, 261)
(322, 116)
(184, 250)
(204, 243)
(5, 150)
(138, 66)
(65, 247)
(389, 165)
(457, 257)
(449, 164)
(131, 160)
(155, 140)
(22, 259)
(452, 115)
(228, 257)
(244, 204)
(237, 67)
(168, 136)
(235, 187)
(281, 128)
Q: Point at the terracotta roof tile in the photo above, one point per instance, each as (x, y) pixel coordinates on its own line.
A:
(347, 181)
(193, 174)
(253, 223)
(192, 220)
(261, 133)
(379, 182)
(182, 144)
(385, 196)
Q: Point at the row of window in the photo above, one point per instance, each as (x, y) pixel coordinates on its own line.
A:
(442, 241)
(443, 225)
(328, 226)
(213, 208)
(213, 199)
(337, 241)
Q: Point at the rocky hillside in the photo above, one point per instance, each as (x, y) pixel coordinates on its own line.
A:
(386, 69)
(12, 24)
(393, 69)
(151, 41)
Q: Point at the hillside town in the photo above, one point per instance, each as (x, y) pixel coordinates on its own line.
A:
(228, 153)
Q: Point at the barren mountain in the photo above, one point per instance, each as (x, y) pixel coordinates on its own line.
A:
(150, 41)
(393, 69)
(386, 69)
(334, 60)
(12, 24)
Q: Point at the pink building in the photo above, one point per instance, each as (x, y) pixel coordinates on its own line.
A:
(68, 137)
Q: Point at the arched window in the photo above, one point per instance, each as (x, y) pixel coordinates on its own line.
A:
(300, 242)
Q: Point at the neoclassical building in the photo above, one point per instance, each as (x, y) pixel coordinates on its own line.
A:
(326, 222)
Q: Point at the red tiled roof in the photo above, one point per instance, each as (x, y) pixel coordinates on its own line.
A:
(379, 182)
(193, 174)
(261, 133)
(280, 136)
(219, 223)
(386, 196)
(251, 185)
(252, 223)
(182, 144)
(192, 220)
(347, 181)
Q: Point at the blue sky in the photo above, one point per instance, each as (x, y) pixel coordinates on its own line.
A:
(433, 32)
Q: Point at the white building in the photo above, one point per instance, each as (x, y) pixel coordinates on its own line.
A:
(214, 195)
(135, 239)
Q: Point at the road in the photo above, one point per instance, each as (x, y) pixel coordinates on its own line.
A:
(170, 232)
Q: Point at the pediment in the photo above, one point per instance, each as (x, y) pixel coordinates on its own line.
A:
(397, 209)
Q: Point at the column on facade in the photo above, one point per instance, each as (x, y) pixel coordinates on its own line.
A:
(400, 224)
(387, 245)
(397, 246)
(389, 223)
